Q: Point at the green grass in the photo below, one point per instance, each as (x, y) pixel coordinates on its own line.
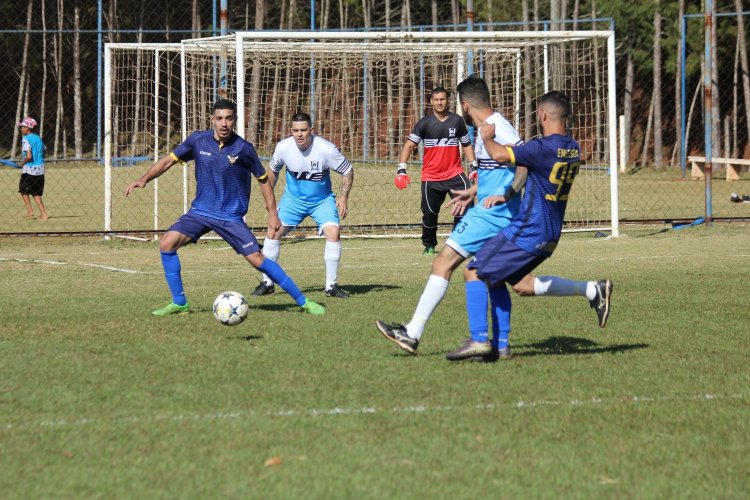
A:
(100, 399)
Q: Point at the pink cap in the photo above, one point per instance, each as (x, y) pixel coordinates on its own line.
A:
(28, 122)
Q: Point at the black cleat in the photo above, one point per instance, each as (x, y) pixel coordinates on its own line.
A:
(263, 289)
(470, 350)
(601, 301)
(397, 335)
(496, 354)
(336, 291)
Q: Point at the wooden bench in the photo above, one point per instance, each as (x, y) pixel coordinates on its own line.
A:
(734, 166)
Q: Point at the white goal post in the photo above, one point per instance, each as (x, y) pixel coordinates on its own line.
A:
(365, 91)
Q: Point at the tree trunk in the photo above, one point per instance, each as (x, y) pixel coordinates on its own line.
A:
(22, 80)
(715, 96)
(647, 135)
(678, 86)
(195, 20)
(77, 120)
(742, 40)
(44, 72)
(689, 120)
(57, 51)
(658, 153)
(627, 105)
(252, 115)
(434, 8)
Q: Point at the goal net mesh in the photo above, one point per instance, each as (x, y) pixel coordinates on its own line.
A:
(366, 95)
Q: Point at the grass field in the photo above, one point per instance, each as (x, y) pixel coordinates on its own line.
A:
(100, 399)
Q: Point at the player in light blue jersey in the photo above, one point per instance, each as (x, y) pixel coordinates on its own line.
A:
(497, 183)
(553, 161)
(224, 166)
(309, 160)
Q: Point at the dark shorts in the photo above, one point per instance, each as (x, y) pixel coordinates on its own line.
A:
(235, 233)
(31, 184)
(501, 260)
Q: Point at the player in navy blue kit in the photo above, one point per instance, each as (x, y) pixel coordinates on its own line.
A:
(442, 133)
(224, 165)
(309, 160)
(553, 161)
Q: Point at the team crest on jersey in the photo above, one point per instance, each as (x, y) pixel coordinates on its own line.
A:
(314, 166)
(232, 158)
(451, 132)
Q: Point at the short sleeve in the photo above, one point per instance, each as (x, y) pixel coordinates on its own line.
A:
(277, 163)
(337, 161)
(256, 168)
(25, 146)
(526, 154)
(185, 152)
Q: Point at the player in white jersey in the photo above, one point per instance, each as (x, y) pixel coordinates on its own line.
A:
(309, 159)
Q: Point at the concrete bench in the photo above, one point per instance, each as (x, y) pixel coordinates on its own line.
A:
(734, 166)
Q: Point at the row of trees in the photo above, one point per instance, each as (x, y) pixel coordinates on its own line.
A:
(50, 56)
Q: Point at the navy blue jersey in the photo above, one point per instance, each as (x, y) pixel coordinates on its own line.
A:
(553, 163)
(222, 174)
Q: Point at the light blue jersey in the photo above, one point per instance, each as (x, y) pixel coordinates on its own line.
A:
(308, 177)
(33, 143)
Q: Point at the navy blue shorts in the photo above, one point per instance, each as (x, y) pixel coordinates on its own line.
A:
(500, 260)
(235, 233)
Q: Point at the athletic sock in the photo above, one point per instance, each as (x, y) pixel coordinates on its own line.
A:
(271, 250)
(476, 309)
(332, 257)
(433, 293)
(279, 276)
(500, 312)
(170, 261)
(559, 287)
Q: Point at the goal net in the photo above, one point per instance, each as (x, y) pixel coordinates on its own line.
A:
(365, 91)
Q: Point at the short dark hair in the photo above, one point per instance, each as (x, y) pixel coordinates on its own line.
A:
(558, 100)
(224, 104)
(302, 117)
(474, 90)
(439, 90)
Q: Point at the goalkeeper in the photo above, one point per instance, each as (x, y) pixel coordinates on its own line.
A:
(442, 133)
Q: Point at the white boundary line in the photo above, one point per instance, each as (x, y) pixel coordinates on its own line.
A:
(370, 410)
(86, 264)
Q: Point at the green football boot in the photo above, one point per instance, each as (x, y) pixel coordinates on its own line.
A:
(311, 307)
(172, 308)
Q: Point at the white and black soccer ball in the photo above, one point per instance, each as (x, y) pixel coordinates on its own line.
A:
(230, 308)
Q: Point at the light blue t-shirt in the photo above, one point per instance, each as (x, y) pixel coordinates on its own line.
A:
(33, 143)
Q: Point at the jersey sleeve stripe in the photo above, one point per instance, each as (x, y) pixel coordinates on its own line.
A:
(344, 167)
(414, 138)
(175, 158)
(512, 156)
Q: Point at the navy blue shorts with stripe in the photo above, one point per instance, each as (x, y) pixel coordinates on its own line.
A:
(235, 233)
(500, 260)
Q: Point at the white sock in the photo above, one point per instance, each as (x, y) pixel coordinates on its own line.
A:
(271, 250)
(433, 293)
(332, 256)
(562, 287)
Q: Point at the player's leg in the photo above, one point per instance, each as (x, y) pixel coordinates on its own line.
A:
(597, 292)
(326, 215)
(431, 201)
(407, 336)
(170, 242)
(290, 215)
(42, 209)
(23, 189)
(243, 241)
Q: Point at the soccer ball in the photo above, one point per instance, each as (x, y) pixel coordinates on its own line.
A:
(230, 308)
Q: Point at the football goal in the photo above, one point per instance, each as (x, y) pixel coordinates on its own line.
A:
(364, 91)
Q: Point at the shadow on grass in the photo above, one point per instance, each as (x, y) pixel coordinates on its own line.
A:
(245, 337)
(571, 345)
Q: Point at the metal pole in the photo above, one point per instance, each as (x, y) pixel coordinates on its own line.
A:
(707, 104)
(99, 89)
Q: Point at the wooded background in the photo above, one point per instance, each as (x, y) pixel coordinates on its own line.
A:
(49, 57)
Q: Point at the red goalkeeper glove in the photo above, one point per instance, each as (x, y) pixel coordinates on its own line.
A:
(402, 180)
(473, 170)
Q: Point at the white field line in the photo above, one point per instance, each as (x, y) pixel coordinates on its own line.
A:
(369, 410)
(62, 263)
(110, 268)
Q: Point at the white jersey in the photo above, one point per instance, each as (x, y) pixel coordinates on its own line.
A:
(493, 177)
(308, 172)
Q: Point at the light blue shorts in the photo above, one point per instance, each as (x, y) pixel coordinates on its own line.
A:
(292, 212)
(477, 226)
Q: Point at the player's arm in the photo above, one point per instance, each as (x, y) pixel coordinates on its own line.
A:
(497, 152)
(342, 202)
(158, 168)
(519, 181)
(402, 179)
(471, 159)
(462, 198)
(269, 200)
